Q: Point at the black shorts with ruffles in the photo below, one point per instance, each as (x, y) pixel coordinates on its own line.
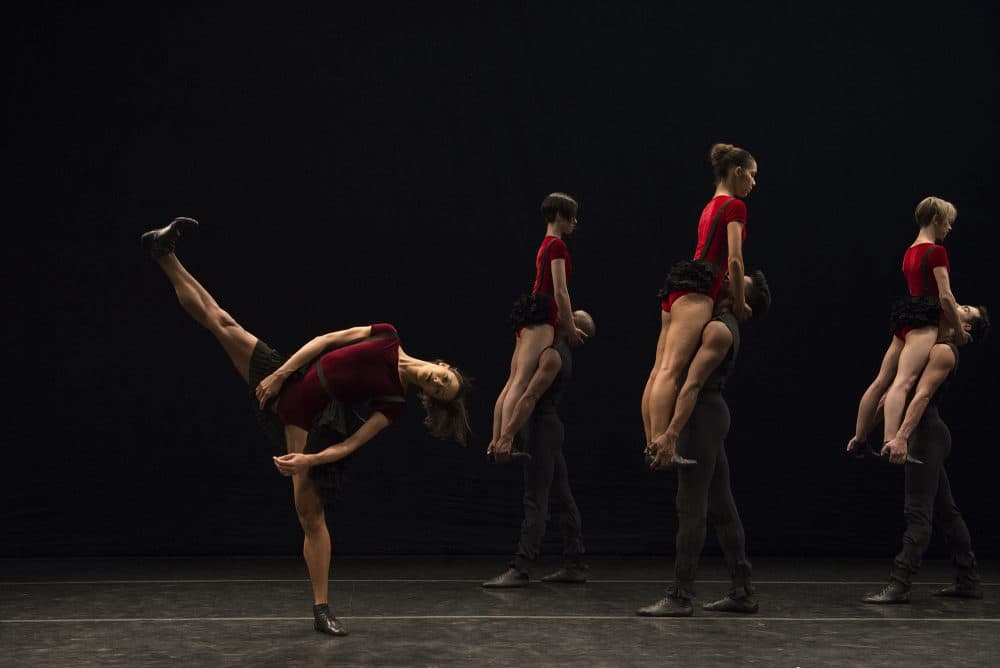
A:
(691, 275)
(329, 428)
(914, 312)
(531, 309)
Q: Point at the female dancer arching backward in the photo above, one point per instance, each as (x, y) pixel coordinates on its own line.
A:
(692, 287)
(536, 316)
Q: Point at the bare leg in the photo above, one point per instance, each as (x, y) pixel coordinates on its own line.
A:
(202, 307)
(912, 361)
(498, 407)
(689, 316)
(870, 399)
(312, 518)
(660, 345)
(534, 339)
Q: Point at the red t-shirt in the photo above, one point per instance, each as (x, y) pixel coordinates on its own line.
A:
(357, 373)
(718, 251)
(557, 250)
(920, 281)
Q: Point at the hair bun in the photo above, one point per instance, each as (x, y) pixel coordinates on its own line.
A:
(718, 152)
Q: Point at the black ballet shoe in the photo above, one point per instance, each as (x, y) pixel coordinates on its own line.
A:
(325, 622)
(668, 606)
(894, 592)
(675, 461)
(746, 605)
(509, 579)
(163, 241)
(960, 591)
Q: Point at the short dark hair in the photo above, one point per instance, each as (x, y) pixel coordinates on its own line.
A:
(979, 328)
(559, 203)
(758, 295)
(448, 420)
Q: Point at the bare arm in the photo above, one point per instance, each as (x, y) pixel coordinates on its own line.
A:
(321, 344)
(939, 365)
(734, 234)
(561, 293)
(716, 340)
(549, 365)
(949, 306)
(298, 463)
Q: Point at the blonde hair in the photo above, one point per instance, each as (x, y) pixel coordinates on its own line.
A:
(931, 207)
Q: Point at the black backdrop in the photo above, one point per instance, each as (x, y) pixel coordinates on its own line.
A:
(385, 163)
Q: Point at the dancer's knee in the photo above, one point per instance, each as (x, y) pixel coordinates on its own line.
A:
(313, 522)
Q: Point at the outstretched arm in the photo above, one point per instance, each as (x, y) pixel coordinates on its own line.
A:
(271, 386)
(939, 365)
(298, 462)
(549, 365)
(716, 340)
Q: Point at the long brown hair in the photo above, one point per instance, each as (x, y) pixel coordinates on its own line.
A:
(448, 419)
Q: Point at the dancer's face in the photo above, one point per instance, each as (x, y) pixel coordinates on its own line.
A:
(566, 225)
(942, 226)
(439, 381)
(967, 315)
(743, 179)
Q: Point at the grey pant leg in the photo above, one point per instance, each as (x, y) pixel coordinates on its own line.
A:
(544, 437)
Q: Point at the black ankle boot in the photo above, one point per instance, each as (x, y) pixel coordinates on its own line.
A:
(510, 578)
(894, 592)
(163, 241)
(325, 622)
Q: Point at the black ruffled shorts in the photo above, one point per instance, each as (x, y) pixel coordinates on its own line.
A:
(531, 309)
(693, 275)
(914, 312)
(328, 429)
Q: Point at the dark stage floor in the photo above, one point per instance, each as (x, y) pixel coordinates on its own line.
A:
(406, 611)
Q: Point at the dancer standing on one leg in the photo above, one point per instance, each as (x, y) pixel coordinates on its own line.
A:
(537, 414)
(916, 319)
(536, 316)
(703, 492)
(302, 401)
(692, 287)
(928, 491)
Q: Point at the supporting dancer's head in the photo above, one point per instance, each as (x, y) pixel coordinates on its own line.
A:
(560, 209)
(975, 321)
(442, 393)
(756, 291)
(937, 214)
(734, 168)
(585, 322)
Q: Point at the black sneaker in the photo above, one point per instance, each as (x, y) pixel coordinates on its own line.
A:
(163, 241)
(746, 605)
(668, 606)
(325, 622)
(894, 592)
(960, 591)
(567, 575)
(510, 578)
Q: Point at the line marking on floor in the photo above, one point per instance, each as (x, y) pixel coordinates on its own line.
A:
(15, 583)
(685, 620)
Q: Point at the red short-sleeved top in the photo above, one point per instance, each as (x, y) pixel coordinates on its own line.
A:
(917, 281)
(718, 250)
(557, 250)
(357, 373)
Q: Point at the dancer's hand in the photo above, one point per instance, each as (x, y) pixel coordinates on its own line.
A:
(854, 446)
(294, 463)
(269, 388)
(742, 311)
(501, 450)
(662, 449)
(897, 449)
(575, 336)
